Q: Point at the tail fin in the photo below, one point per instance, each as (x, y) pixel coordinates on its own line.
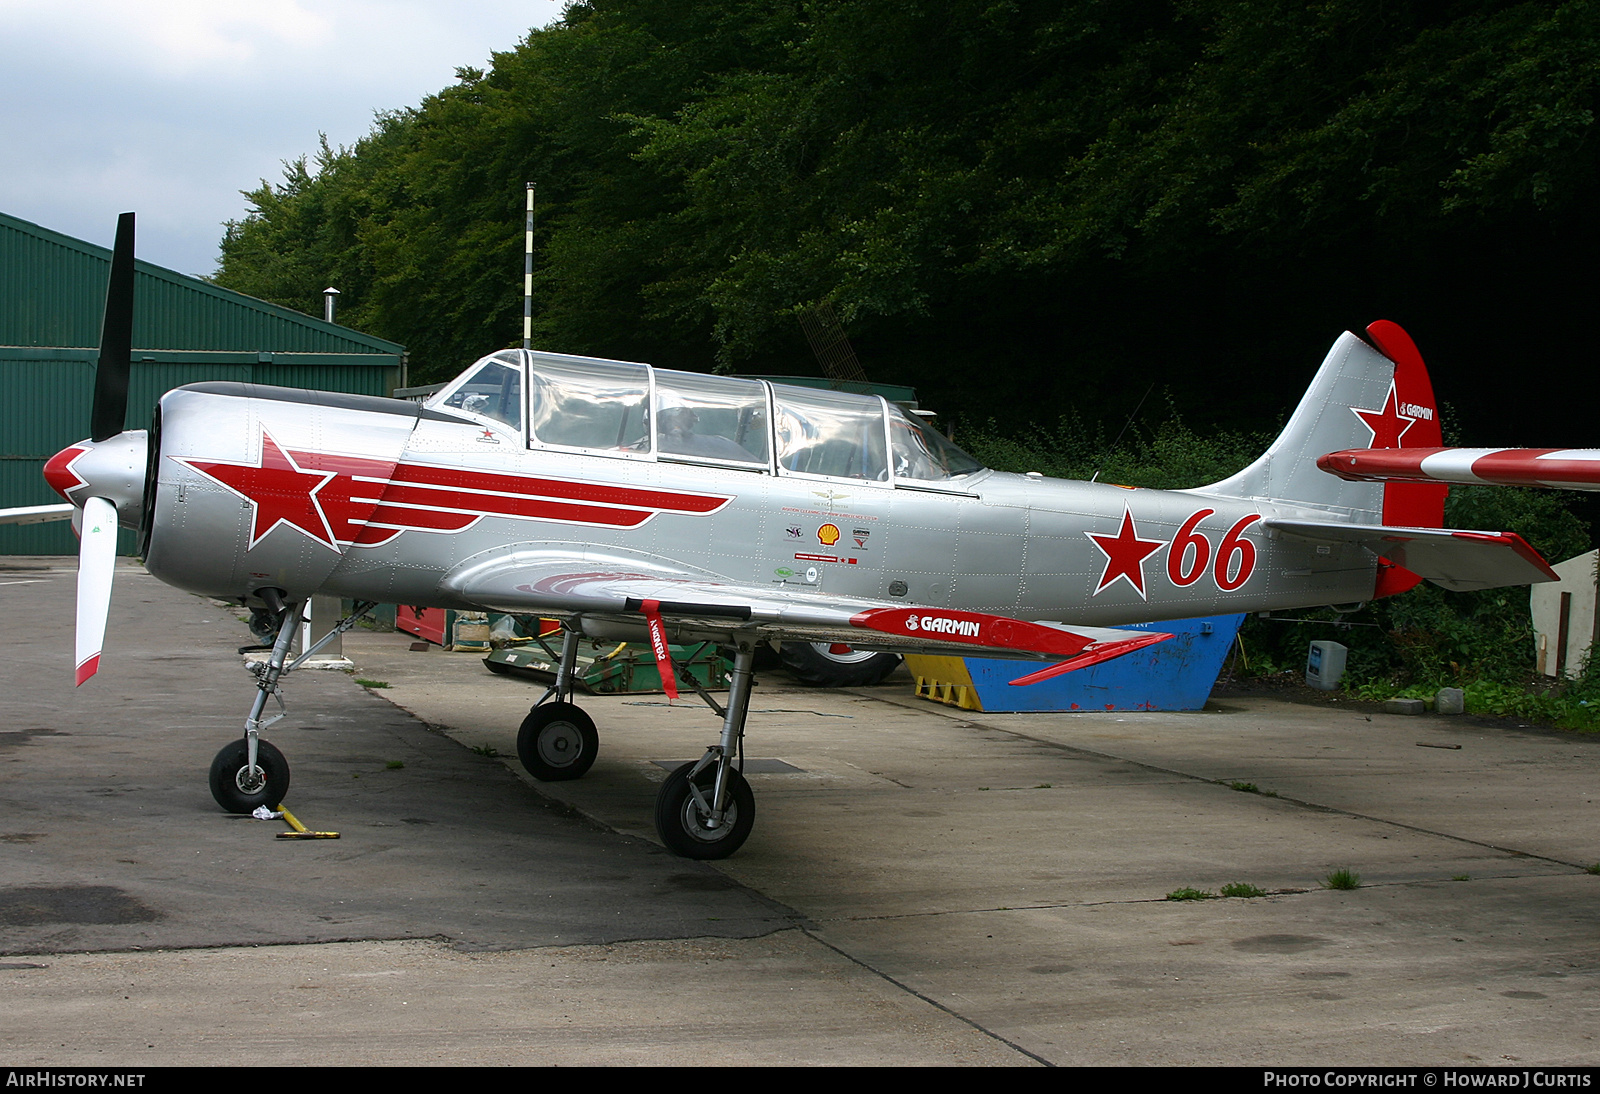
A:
(1361, 397)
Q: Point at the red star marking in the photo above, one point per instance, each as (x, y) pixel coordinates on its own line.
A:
(1388, 425)
(278, 489)
(1125, 554)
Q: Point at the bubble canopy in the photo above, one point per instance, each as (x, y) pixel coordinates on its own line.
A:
(633, 411)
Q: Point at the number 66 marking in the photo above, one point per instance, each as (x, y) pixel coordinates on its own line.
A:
(1235, 554)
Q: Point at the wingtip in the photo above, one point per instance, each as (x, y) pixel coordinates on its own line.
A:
(1092, 655)
(88, 669)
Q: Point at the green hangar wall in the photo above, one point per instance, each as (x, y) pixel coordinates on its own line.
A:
(52, 294)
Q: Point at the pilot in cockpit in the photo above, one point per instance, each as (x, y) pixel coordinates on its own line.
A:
(675, 433)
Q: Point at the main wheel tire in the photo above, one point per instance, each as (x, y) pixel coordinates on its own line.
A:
(820, 665)
(557, 742)
(681, 822)
(239, 790)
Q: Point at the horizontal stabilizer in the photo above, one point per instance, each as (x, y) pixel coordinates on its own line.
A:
(1561, 468)
(1450, 558)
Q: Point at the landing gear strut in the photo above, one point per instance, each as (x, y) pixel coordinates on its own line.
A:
(558, 741)
(251, 772)
(705, 809)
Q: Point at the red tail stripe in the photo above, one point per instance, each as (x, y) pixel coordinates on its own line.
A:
(1518, 466)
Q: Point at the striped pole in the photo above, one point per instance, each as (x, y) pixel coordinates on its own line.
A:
(527, 274)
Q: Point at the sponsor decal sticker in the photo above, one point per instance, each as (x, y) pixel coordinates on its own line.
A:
(828, 535)
(943, 624)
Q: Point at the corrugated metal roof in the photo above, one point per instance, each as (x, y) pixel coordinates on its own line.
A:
(53, 287)
(52, 294)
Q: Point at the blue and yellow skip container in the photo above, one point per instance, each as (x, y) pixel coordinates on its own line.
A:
(1177, 674)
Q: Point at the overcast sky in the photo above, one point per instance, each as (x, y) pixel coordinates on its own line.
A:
(171, 107)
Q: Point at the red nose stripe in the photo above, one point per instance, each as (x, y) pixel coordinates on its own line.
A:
(61, 477)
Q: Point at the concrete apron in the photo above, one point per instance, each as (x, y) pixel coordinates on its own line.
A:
(925, 886)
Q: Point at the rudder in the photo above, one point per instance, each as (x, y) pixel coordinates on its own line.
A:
(1369, 393)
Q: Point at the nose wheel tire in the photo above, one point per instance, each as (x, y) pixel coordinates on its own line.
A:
(557, 742)
(682, 821)
(238, 788)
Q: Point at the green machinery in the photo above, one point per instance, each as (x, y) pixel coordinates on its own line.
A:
(622, 668)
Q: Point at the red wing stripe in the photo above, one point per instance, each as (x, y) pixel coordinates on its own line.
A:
(419, 498)
(1522, 547)
(524, 486)
(1093, 655)
(971, 628)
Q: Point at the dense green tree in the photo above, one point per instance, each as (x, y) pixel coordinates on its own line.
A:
(1008, 204)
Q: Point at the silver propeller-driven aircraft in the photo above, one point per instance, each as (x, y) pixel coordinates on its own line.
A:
(633, 503)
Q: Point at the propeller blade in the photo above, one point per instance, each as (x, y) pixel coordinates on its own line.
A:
(116, 339)
(97, 560)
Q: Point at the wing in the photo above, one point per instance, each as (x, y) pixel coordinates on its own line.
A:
(1448, 557)
(617, 591)
(36, 514)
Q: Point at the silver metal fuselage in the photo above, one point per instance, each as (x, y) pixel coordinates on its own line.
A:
(1014, 545)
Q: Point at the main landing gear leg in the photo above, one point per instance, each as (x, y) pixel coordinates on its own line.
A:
(705, 809)
(557, 740)
(251, 772)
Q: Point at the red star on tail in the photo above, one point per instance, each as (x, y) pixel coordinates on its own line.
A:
(1388, 425)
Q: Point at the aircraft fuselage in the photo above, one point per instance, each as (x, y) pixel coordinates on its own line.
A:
(369, 499)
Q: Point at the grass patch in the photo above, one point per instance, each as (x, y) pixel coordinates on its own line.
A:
(1460, 877)
(1342, 878)
(364, 682)
(486, 750)
(1595, 869)
(394, 765)
(1187, 893)
(1242, 889)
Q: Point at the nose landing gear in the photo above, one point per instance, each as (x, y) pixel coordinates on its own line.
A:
(252, 772)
